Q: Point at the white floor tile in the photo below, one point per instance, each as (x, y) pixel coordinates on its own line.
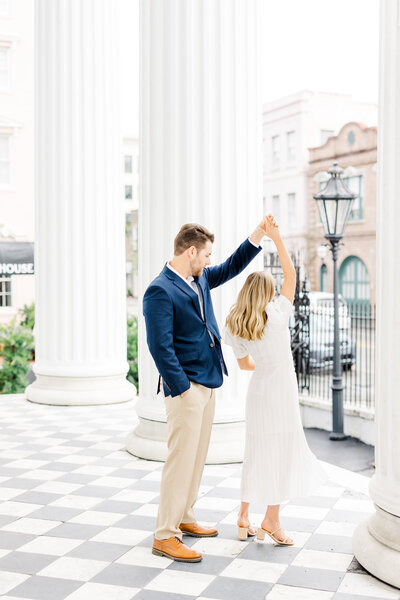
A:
(143, 557)
(69, 567)
(336, 528)
(254, 570)
(333, 561)
(95, 470)
(18, 509)
(33, 526)
(43, 475)
(329, 491)
(363, 506)
(7, 493)
(146, 510)
(100, 591)
(153, 476)
(91, 517)
(230, 482)
(9, 580)
(219, 546)
(78, 459)
(170, 581)
(58, 487)
(304, 512)
(143, 465)
(27, 464)
(115, 482)
(54, 546)
(83, 502)
(139, 496)
(365, 585)
(117, 535)
(212, 503)
(285, 592)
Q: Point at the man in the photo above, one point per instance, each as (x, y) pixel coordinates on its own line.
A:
(185, 343)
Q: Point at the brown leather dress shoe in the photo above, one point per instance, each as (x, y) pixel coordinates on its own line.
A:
(196, 530)
(174, 548)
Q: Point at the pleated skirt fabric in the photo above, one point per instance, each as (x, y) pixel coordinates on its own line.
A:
(278, 464)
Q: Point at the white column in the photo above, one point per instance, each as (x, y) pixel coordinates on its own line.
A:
(80, 328)
(376, 542)
(201, 142)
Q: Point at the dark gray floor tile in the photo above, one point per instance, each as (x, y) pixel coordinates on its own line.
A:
(330, 543)
(210, 565)
(269, 553)
(76, 443)
(82, 478)
(55, 513)
(37, 497)
(11, 540)
(213, 516)
(22, 483)
(96, 491)
(145, 485)
(130, 473)
(136, 522)
(6, 519)
(59, 466)
(25, 562)
(76, 531)
(227, 531)
(126, 575)
(319, 579)
(151, 595)
(117, 506)
(45, 588)
(293, 524)
(220, 492)
(230, 588)
(211, 480)
(99, 551)
(338, 596)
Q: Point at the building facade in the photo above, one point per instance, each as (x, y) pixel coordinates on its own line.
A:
(291, 125)
(355, 149)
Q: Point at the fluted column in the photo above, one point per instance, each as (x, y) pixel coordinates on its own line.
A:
(80, 328)
(201, 142)
(376, 542)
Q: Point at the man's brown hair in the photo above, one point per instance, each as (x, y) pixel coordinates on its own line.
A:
(192, 234)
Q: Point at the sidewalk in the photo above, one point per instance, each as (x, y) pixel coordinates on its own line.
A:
(77, 514)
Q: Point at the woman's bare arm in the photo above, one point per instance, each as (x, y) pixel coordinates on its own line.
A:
(289, 272)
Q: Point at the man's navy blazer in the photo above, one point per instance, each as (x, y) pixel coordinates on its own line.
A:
(178, 338)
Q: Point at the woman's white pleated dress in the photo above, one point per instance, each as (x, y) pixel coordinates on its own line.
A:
(278, 465)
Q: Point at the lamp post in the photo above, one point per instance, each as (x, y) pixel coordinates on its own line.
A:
(334, 203)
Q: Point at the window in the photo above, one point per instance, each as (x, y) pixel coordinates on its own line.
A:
(275, 150)
(5, 290)
(291, 146)
(4, 8)
(276, 209)
(4, 159)
(4, 68)
(323, 278)
(128, 192)
(291, 211)
(355, 184)
(325, 134)
(354, 280)
(128, 163)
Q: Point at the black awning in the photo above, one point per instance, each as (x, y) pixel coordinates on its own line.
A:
(16, 258)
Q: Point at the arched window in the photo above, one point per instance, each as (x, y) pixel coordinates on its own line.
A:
(323, 278)
(354, 280)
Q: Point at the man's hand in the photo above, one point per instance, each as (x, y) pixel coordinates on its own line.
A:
(270, 227)
(264, 228)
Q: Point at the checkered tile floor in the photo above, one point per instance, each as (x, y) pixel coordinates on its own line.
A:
(77, 514)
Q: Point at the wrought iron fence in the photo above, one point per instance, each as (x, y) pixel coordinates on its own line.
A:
(312, 341)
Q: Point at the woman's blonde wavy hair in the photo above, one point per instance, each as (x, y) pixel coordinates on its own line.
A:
(247, 317)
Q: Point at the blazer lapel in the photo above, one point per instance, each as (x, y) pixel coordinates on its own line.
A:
(183, 286)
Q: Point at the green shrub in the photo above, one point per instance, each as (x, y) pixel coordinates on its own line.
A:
(27, 315)
(132, 351)
(17, 344)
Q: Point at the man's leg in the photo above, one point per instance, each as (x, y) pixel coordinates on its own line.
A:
(202, 449)
(184, 419)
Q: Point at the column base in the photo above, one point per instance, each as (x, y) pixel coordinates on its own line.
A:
(80, 391)
(376, 546)
(149, 441)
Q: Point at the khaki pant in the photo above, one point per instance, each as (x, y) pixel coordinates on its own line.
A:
(189, 422)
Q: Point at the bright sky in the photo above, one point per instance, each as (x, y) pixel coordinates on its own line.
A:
(317, 45)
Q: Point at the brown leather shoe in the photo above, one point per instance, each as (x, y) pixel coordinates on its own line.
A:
(196, 530)
(174, 548)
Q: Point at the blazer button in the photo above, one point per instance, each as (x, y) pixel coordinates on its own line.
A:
(211, 345)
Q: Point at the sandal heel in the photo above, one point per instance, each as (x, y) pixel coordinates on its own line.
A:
(243, 533)
(260, 534)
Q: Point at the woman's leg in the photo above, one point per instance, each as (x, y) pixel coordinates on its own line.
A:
(243, 517)
(271, 522)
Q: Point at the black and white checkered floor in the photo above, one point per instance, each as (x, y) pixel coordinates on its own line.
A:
(77, 514)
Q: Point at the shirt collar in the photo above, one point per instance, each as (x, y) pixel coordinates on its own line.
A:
(188, 279)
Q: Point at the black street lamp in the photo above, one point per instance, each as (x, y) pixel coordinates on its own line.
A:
(334, 204)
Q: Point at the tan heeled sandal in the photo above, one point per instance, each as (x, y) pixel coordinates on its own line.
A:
(244, 533)
(261, 535)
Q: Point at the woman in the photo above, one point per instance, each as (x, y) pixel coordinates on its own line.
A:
(278, 464)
